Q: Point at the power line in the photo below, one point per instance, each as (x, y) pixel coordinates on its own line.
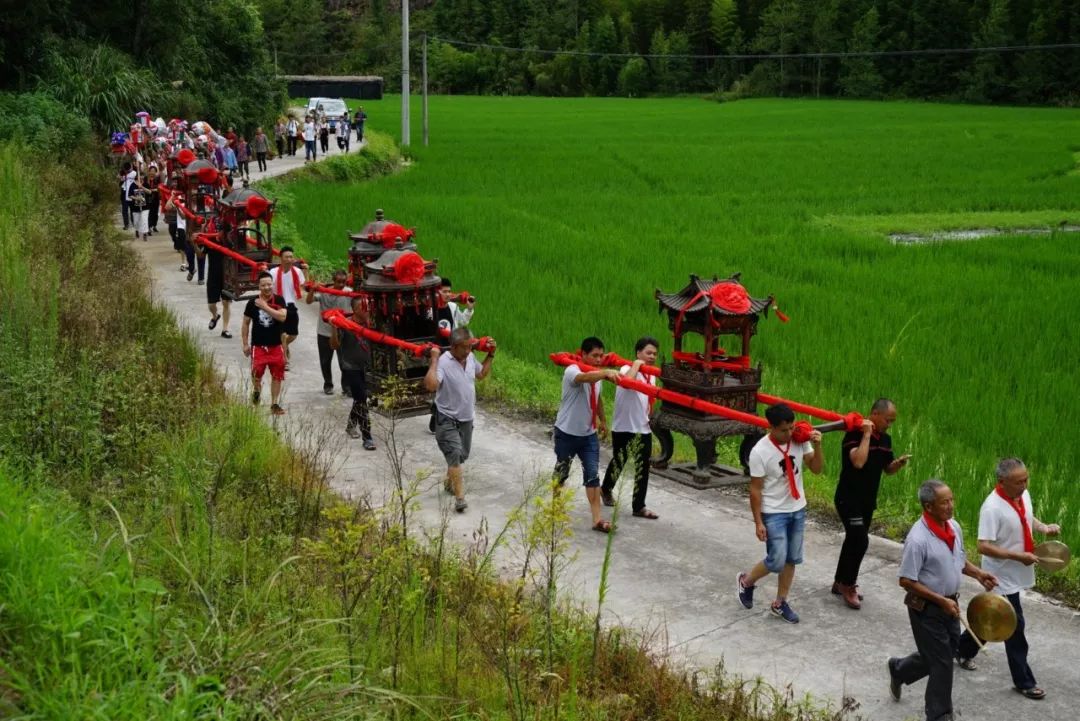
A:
(767, 56)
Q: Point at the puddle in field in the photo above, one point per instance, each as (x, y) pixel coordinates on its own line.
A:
(948, 236)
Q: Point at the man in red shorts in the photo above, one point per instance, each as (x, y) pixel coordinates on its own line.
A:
(268, 313)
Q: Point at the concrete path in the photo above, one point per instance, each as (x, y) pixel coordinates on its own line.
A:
(674, 576)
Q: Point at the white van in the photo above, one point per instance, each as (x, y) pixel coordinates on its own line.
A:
(332, 108)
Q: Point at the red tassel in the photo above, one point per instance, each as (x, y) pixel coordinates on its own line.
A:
(780, 314)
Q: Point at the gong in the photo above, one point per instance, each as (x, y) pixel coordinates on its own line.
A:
(1053, 555)
(991, 617)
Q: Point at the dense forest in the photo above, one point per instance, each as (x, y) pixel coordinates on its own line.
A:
(637, 47)
(219, 59)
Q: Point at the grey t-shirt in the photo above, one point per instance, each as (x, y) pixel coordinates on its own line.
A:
(928, 559)
(456, 397)
(327, 302)
(576, 408)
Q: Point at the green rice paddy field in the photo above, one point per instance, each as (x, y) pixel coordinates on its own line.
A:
(564, 215)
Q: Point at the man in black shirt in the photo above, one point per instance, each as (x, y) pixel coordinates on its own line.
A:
(865, 455)
(268, 312)
(215, 284)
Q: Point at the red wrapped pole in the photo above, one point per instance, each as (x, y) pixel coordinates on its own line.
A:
(681, 399)
(849, 421)
(205, 240)
(328, 290)
(336, 318)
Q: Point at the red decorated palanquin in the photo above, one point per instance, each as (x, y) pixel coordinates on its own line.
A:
(244, 220)
(402, 295)
(714, 311)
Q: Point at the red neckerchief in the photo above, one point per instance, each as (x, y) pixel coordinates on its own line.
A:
(1018, 506)
(645, 378)
(295, 281)
(789, 467)
(945, 533)
(594, 402)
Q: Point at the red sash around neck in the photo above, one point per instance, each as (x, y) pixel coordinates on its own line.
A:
(1018, 506)
(295, 282)
(594, 402)
(945, 533)
(789, 467)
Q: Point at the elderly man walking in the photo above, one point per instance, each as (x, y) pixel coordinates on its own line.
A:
(452, 376)
(1006, 522)
(930, 569)
(778, 502)
(864, 455)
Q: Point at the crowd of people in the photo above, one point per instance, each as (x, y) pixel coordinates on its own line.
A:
(934, 556)
(315, 129)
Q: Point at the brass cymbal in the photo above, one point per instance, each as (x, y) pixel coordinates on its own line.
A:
(991, 617)
(1053, 555)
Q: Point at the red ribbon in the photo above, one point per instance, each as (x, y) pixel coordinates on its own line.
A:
(789, 467)
(1018, 506)
(945, 533)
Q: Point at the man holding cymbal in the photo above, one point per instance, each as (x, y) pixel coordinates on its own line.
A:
(1006, 521)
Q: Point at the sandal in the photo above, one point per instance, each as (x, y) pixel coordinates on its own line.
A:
(967, 664)
(277, 410)
(226, 334)
(214, 320)
(645, 513)
(1034, 693)
(602, 527)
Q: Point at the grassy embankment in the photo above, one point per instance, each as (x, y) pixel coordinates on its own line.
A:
(563, 216)
(163, 556)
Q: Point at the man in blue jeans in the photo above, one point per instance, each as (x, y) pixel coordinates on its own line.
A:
(778, 503)
(581, 415)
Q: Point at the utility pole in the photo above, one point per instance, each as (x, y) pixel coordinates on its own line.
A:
(423, 75)
(405, 72)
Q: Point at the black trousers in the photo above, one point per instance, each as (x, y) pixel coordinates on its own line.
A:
(125, 208)
(937, 638)
(326, 355)
(856, 517)
(292, 145)
(358, 416)
(261, 157)
(1016, 648)
(622, 446)
(152, 209)
(280, 145)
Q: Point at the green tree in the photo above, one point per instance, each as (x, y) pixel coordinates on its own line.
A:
(989, 78)
(859, 76)
(723, 18)
(634, 78)
(782, 32)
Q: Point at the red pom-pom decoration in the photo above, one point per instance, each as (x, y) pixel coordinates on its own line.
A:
(730, 296)
(853, 421)
(256, 206)
(800, 432)
(185, 157)
(409, 268)
(208, 176)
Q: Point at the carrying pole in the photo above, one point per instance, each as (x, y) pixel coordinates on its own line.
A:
(423, 75)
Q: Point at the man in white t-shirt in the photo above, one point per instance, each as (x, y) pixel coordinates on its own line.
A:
(630, 431)
(778, 503)
(452, 376)
(1006, 523)
(581, 415)
(288, 283)
(309, 140)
